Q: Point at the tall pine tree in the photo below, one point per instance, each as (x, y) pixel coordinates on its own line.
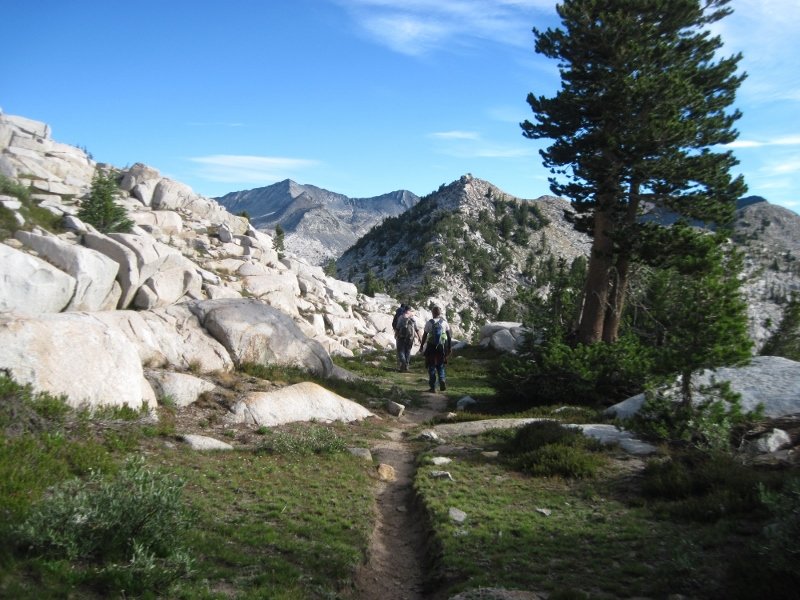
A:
(643, 102)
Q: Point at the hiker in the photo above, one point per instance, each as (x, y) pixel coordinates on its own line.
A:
(438, 336)
(406, 332)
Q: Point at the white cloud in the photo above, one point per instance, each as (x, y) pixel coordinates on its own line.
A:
(461, 143)
(233, 168)
(766, 32)
(788, 140)
(786, 167)
(417, 27)
(456, 135)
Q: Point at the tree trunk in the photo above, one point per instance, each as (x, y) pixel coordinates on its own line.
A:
(616, 300)
(595, 298)
(619, 283)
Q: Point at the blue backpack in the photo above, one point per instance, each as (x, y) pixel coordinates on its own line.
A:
(439, 335)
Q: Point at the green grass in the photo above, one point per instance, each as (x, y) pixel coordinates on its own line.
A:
(267, 524)
(289, 517)
(595, 539)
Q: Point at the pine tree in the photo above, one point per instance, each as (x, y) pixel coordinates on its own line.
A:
(100, 210)
(696, 316)
(643, 100)
(278, 242)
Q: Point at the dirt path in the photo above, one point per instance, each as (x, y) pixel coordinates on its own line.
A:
(395, 567)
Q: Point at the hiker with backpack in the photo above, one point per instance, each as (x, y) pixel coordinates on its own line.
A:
(406, 332)
(438, 337)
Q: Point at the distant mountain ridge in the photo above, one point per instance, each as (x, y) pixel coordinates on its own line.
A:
(318, 224)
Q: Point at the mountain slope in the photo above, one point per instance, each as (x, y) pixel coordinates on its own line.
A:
(769, 237)
(467, 246)
(319, 224)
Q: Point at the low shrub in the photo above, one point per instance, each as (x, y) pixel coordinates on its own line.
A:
(559, 460)
(556, 373)
(710, 423)
(699, 486)
(314, 439)
(770, 566)
(548, 449)
(126, 529)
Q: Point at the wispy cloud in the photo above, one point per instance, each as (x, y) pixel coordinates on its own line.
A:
(416, 27)
(470, 144)
(785, 167)
(789, 140)
(233, 168)
(455, 135)
(767, 33)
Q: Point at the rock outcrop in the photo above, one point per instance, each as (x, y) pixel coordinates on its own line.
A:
(300, 402)
(190, 287)
(771, 382)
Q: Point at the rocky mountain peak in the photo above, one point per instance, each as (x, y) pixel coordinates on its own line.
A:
(319, 224)
(467, 247)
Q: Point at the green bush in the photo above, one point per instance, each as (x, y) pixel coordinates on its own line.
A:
(541, 433)
(710, 423)
(314, 439)
(548, 449)
(556, 373)
(559, 460)
(127, 529)
(699, 486)
(783, 532)
(32, 214)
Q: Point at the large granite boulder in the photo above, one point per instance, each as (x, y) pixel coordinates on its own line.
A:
(95, 274)
(181, 388)
(253, 332)
(170, 337)
(75, 355)
(29, 285)
(300, 402)
(771, 381)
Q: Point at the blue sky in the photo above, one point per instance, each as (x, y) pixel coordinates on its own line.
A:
(360, 97)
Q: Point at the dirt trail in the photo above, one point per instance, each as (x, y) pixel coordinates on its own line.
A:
(395, 567)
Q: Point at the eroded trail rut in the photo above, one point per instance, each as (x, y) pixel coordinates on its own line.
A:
(395, 566)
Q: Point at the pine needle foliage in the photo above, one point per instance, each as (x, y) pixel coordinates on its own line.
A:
(100, 209)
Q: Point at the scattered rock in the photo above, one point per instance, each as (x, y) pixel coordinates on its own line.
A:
(362, 453)
(395, 408)
(465, 403)
(201, 442)
(429, 436)
(386, 472)
(456, 515)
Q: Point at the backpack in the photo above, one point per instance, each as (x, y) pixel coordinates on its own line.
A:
(400, 310)
(406, 328)
(439, 335)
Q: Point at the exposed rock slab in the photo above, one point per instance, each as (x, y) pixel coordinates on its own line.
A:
(253, 332)
(202, 442)
(75, 355)
(170, 337)
(29, 285)
(772, 381)
(300, 402)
